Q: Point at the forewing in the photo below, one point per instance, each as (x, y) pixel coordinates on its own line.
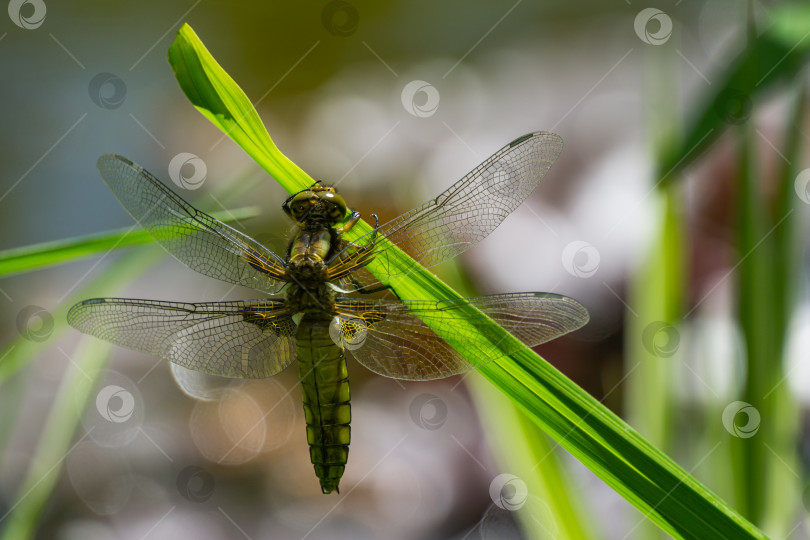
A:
(397, 342)
(199, 241)
(463, 214)
(245, 339)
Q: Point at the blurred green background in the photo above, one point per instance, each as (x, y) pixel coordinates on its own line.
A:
(676, 214)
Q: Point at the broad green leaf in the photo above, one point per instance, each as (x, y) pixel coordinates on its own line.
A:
(651, 481)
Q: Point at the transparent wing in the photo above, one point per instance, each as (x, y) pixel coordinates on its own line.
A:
(460, 217)
(196, 239)
(391, 338)
(250, 339)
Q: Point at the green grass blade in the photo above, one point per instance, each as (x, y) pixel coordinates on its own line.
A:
(212, 91)
(38, 256)
(656, 288)
(647, 478)
(21, 350)
(781, 485)
(756, 312)
(55, 444)
(65, 415)
(521, 448)
(776, 56)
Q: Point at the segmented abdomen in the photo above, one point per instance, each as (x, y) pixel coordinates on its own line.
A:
(325, 385)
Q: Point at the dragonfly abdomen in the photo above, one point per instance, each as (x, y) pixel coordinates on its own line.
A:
(325, 385)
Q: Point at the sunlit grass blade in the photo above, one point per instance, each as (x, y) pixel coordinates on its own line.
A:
(643, 475)
(652, 336)
(212, 91)
(56, 443)
(776, 56)
(647, 478)
(46, 254)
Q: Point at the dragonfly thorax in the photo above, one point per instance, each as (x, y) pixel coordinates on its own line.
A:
(307, 253)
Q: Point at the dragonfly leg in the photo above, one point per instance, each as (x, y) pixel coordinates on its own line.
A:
(363, 290)
(351, 223)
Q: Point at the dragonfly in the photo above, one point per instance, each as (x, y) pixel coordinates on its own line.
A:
(318, 304)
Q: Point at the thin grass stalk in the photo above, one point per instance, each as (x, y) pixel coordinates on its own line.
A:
(552, 507)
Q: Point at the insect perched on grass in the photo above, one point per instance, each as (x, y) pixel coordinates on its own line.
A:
(314, 321)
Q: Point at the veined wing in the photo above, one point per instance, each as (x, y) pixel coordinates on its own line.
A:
(245, 339)
(461, 216)
(391, 338)
(199, 241)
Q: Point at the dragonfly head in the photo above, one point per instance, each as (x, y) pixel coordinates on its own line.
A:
(319, 204)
